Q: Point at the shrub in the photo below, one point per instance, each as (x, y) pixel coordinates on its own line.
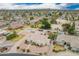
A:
(33, 43)
(26, 42)
(45, 53)
(23, 50)
(18, 47)
(40, 53)
(28, 50)
(52, 36)
(31, 18)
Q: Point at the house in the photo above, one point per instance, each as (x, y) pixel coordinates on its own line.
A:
(56, 27)
(2, 35)
(38, 37)
(2, 39)
(77, 26)
(5, 46)
(62, 21)
(2, 23)
(3, 32)
(72, 40)
(16, 25)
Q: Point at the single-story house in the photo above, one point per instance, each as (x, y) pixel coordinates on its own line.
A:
(2, 23)
(3, 32)
(72, 40)
(38, 37)
(77, 26)
(16, 25)
(56, 27)
(62, 21)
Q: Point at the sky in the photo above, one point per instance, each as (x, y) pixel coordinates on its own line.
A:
(60, 6)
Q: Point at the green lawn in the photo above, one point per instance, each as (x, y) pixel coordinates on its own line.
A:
(17, 38)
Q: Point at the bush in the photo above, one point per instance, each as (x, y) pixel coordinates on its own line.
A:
(40, 53)
(23, 50)
(28, 50)
(41, 45)
(31, 18)
(33, 43)
(45, 53)
(52, 36)
(26, 42)
(18, 47)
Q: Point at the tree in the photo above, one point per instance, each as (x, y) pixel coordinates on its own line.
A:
(54, 16)
(31, 18)
(45, 24)
(53, 19)
(66, 27)
(69, 28)
(52, 36)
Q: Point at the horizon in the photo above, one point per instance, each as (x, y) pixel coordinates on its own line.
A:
(58, 6)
